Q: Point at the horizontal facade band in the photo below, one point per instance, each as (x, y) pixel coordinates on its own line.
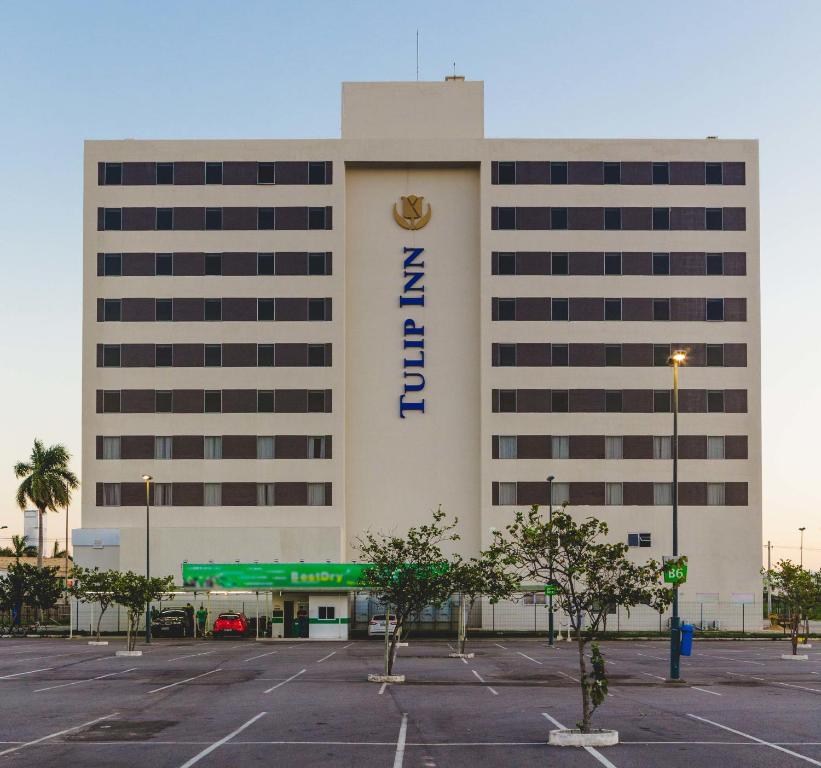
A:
(225, 264)
(617, 400)
(187, 447)
(228, 172)
(278, 494)
(228, 309)
(692, 172)
(214, 401)
(240, 355)
(146, 218)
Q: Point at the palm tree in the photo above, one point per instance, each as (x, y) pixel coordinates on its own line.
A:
(21, 548)
(47, 483)
(58, 551)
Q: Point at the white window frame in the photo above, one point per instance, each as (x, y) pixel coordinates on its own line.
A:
(112, 446)
(316, 494)
(560, 446)
(212, 494)
(614, 447)
(511, 449)
(163, 448)
(507, 494)
(212, 447)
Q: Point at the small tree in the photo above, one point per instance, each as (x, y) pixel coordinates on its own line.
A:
(589, 575)
(406, 574)
(26, 584)
(134, 592)
(91, 585)
(486, 575)
(798, 591)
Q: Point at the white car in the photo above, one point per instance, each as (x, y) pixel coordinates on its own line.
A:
(376, 626)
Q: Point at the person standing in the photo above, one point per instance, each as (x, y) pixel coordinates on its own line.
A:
(202, 620)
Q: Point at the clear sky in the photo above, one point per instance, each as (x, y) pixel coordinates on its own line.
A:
(195, 69)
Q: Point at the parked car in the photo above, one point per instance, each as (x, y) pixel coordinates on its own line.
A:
(230, 624)
(376, 626)
(170, 622)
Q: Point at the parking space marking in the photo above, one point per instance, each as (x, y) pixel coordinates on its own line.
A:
(501, 646)
(187, 680)
(482, 680)
(590, 750)
(191, 655)
(650, 656)
(87, 680)
(704, 690)
(752, 677)
(569, 677)
(729, 658)
(382, 689)
(324, 658)
(755, 738)
(270, 653)
(528, 657)
(647, 674)
(55, 735)
(30, 672)
(400, 742)
(223, 740)
(288, 680)
(347, 646)
(802, 687)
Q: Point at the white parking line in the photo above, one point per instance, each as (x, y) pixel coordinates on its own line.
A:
(191, 655)
(569, 677)
(802, 687)
(755, 738)
(594, 752)
(55, 735)
(501, 646)
(347, 646)
(704, 690)
(87, 680)
(218, 744)
(30, 672)
(187, 680)
(400, 742)
(730, 658)
(332, 653)
(752, 677)
(288, 680)
(382, 689)
(528, 657)
(261, 655)
(647, 674)
(482, 680)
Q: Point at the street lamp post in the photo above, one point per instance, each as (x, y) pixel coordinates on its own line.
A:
(801, 559)
(550, 593)
(676, 359)
(147, 479)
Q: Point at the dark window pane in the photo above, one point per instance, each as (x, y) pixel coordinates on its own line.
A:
(111, 401)
(715, 263)
(316, 401)
(661, 173)
(265, 401)
(213, 173)
(612, 218)
(507, 173)
(712, 174)
(612, 402)
(559, 264)
(661, 263)
(316, 173)
(316, 355)
(213, 263)
(558, 309)
(715, 309)
(165, 218)
(316, 309)
(559, 354)
(265, 263)
(316, 263)
(163, 310)
(111, 355)
(316, 218)
(163, 400)
(213, 218)
(507, 309)
(112, 264)
(713, 218)
(507, 218)
(715, 355)
(212, 401)
(661, 354)
(213, 309)
(558, 173)
(507, 263)
(715, 401)
(612, 309)
(558, 218)
(661, 218)
(164, 264)
(507, 401)
(113, 173)
(265, 309)
(163, 356)
(559, 401)
(112, 219)
(632, 539)
(507, 354)
(265, 173)
(661, 309)
(645, 540)
(213, 355)
(265, 355)
(612, 354)
(265, 218)
(661, 401)
(165, 173)
(112, 310)
(612, 173)
(612, 263)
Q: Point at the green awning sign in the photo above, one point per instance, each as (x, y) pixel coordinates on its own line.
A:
(307, 576)
(551, 589)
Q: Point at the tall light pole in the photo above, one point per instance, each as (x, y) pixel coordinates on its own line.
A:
(676, 359)
(550, 643)
(802, 529)
(147, 479)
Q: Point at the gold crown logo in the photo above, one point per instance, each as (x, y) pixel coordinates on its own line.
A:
(412, 216)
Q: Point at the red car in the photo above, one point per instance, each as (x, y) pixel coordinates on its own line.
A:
(230, 624)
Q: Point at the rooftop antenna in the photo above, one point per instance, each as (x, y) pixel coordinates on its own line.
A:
(417, 55)
(454, 69)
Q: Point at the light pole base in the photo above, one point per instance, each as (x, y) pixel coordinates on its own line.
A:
(676, 681)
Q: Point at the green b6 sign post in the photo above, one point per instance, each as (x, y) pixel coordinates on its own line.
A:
(675, 570)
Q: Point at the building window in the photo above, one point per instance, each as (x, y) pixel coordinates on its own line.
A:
(639, 540)
(265, 173)
(613, 401)
(715, 355)
(662, 447)
(612, 354)
(111, 401)
(265, 218)
(326, 612)
(558, 218)
(715, 264)
(265, 494)
(559, 264)
(560, 493)
(164, 264)
(661, 309)
(559, 401)
(661, 218)
(112, 310)
(507, 401)
(265, 355)
(112, 265)
(661, 401)
(165, 173)
(662, 494)
(212, 401)
(612, 309)
(316, 218)
(213, 218)
(265, 401)
(316, 401)
(715, 401)
(212, 447)
(213, 263)
(507, 218)
(213, 173)
(316, 173)
(613, 447)
(317, 264)
(316, 355)
(163, 401)
(558, 173)
(111, 448)
(713, 218)
(165, 218)
(560, 447)
(162, 495)
(507, 447)
(507, 263)
(316, 447)
(112, 219)
(715, 494)
(163, 447)
(661, 263)
(559, 309)
(113, 173)
(316, 309)
(163, 355)
(266, 309)
(715, 447)
(163, 310)
(507, 494)
(111, 494)
(713, 173)
(506, 309)
(661, 354)
(316, 494)
(111, 355)
(265, 447)
(613, 494)
(213, 355)
(213, 309)
(559, 354)
(661, 173)
(612, 218)
(715, 309)
(612, 173)
(612, 263)
(212, 494)
(507, 173)
(265, 264)
(507, 355)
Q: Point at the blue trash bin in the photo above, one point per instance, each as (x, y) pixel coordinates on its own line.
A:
(687, 631)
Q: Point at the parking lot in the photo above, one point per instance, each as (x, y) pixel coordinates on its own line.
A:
(303, 703)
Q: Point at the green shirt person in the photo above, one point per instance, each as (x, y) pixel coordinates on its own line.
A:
(202, 618)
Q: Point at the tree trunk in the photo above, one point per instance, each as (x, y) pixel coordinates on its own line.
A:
(40, 541)
(393, 647)
(585, 724)
(99, 620)
(794, 624)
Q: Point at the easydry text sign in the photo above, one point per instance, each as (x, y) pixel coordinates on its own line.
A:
(311, 576)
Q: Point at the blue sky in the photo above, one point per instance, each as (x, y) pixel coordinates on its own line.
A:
(71, 71)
